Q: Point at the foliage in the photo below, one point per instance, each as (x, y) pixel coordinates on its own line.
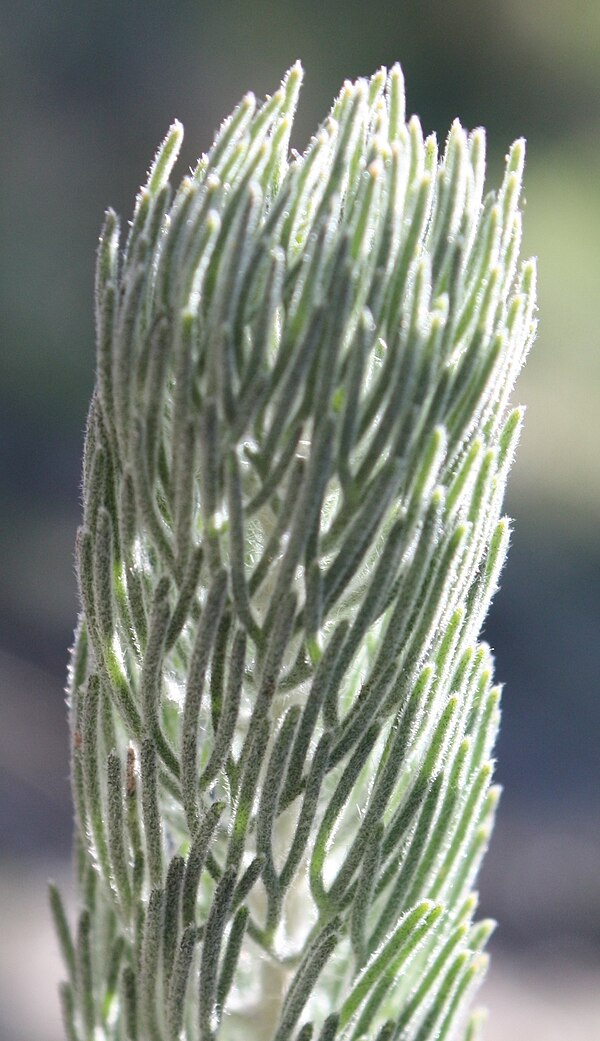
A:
(295, 460)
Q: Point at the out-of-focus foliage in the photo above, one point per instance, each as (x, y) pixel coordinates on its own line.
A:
(558, 467)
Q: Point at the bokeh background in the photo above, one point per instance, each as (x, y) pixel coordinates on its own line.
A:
(88, 89)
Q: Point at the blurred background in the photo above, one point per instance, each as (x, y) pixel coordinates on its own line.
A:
(88, 90)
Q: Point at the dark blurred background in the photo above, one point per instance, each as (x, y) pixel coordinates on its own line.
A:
(88, 89)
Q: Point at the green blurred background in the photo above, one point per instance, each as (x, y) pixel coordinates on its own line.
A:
(88, 89)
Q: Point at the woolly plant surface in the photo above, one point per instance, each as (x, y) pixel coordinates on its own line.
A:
(296, 453)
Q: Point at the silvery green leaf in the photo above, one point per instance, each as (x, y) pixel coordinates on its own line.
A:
(282, 721)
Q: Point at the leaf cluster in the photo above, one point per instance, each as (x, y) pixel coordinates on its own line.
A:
(295, 460)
